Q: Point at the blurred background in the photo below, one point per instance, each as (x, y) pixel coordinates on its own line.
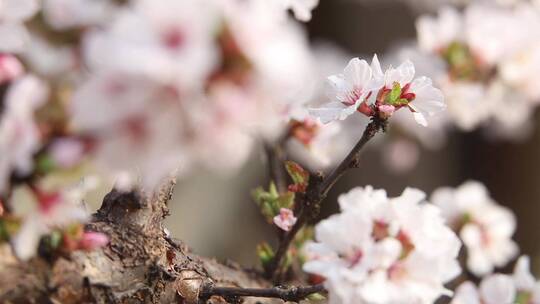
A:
(216, 216)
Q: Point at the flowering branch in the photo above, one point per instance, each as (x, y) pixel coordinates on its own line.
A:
(309, 204)
(288, 294)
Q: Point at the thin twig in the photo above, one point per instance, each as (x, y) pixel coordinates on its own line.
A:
(317, 192)
(289, 293)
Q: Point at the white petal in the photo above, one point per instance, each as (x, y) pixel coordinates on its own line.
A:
(498, 289)
(302, 9)
(13, 37)
(358, 73)
(26, 241)
(420, 119)
(523, 278)
(19, 10)
(466, 293)
(403, 74)
(333, 111)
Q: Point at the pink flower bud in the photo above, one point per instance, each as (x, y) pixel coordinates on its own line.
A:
(10, 68)
(386, 110)
(285, 219)
(93, 240)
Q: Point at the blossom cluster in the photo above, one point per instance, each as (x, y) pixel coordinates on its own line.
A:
(404, 249)
(521, 287)
(485, 227)
(401, 251)
(366, 89)
(136, 91)
(485, 63)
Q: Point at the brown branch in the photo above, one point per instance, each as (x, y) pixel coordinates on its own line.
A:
(141, 264)
(317, 192)
(289, 293)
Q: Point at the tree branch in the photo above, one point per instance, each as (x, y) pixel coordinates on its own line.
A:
(141, 264)
(291, 293)
(317, 192)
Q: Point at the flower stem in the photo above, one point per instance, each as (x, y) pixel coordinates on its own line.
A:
(317, 191)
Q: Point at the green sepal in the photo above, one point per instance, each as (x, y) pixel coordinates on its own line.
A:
(270, 202)
(394, 95)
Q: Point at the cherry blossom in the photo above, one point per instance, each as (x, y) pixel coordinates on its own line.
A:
(19, 133)
(64, 14)
(485, 227)
(435, 34)
(285, 219)
(520, 287)
(394, 89)
(13, 14)
(46, 210)
(494, 289)
(347, 91)
(401, 89)
(401, 250)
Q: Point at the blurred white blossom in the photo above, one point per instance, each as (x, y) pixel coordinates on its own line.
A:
(19, 133)
(179, 81)
(45, 211)
(485, 227)
(13, 14)
(520, 287)
(65, 14)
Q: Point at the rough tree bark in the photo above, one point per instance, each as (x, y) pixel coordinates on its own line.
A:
(141, 264)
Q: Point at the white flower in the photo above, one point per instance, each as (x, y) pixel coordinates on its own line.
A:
(347, 91)
(521, 71)
(418, 94)
(494, 289)
(525, 283)
(400, 251)
(435, 34)
(495, 32)
(139, 128)
(485, 227)
(19, 134)
(13, 34)
(171, 42)
(285, 219)
(65, 14)
(48, 60)
(46, 211)
(468, 105)
(520, 287)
